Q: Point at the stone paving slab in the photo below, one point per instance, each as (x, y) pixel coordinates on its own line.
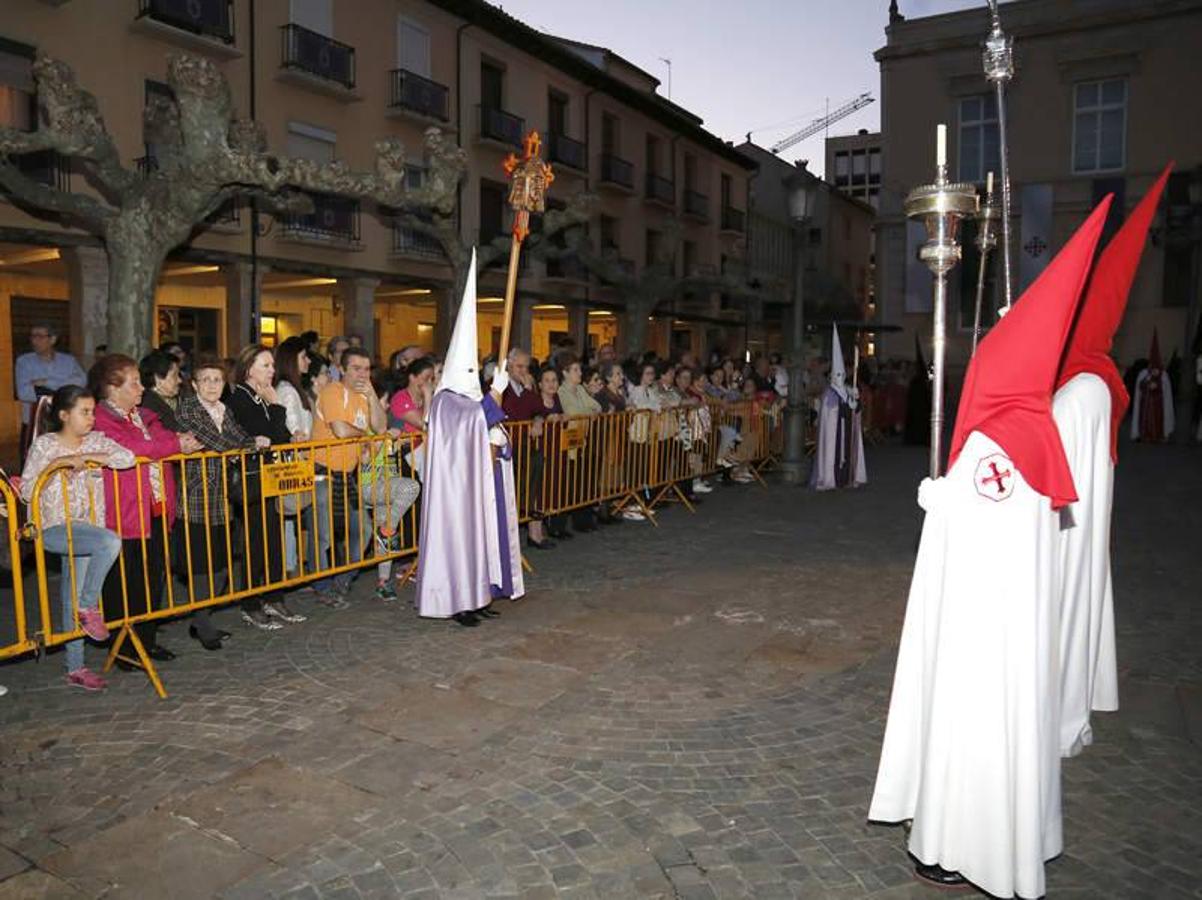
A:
(693, 711)
(154, 854)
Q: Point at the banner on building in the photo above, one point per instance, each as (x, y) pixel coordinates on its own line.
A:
(1035, 237)
(918, 276)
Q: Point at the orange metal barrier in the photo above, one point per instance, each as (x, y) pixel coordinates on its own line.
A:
(237, 512)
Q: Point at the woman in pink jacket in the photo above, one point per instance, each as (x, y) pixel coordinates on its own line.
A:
(142, 498)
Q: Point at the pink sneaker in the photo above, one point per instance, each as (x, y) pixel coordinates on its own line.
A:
(91, 620)
(86, 679)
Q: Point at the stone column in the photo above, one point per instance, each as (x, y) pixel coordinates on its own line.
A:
(88, 289)
(578, 326)
(241, 289)
(358, 299)
(446, 305)
(523, 323)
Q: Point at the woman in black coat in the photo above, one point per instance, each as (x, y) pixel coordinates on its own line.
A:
(253, 404)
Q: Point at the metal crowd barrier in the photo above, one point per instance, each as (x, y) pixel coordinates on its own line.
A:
(240, 516)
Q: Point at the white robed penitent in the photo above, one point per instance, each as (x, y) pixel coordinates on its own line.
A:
(971, 750)
(1088, 406)
(1088, 660)
(839, 447)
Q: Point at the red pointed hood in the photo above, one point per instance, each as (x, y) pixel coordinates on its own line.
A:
(1103, 306)
(1008, 390)
(1154, 361)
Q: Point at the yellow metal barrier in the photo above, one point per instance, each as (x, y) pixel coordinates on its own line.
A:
(345, 504)
(18, 642)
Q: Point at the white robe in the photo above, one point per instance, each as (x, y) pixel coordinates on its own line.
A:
(826, 451)
(971, 749)
(1088, 662)
(1166, 395)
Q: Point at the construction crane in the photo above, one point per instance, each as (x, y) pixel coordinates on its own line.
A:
(822, 122)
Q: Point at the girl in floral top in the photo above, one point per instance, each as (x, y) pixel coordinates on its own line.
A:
(70, 502)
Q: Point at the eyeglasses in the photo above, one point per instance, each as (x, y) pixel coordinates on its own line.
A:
(39, 334)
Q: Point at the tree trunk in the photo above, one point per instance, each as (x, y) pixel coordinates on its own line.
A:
(137, 241)
(133, 277)
(634, 329)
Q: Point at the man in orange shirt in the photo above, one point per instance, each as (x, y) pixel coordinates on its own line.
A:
(345, 409)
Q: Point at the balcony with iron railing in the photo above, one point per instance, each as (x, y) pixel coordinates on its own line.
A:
(419, 96)
(567, 268)
(45, 167)
(696, 205)
(568, 151)
(616, 172)
(316, 60)
(733, 219)
(625, 266)
(660, 190)
(202, 24)
(333, 220)
(501, 127)
(409, 241)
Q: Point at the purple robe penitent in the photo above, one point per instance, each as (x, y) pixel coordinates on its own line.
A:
(468, 551)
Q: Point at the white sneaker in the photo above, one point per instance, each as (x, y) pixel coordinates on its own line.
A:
(3, 690)
(633, 515)
(700, 487)
(742, 478)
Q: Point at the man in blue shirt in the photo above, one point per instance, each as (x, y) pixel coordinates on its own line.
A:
(42, 372)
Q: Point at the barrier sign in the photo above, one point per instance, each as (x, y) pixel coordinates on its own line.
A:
(287, 477)
(574, 436)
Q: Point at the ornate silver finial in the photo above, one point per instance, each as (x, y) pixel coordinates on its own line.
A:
(998, 55)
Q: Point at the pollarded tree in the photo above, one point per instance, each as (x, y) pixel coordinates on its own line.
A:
(205, 157)
(643, 292)
(548, 231)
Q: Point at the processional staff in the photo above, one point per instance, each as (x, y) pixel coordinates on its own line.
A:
(530, 177)
(941, 206)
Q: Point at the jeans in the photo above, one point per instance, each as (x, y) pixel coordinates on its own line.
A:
(96, 549)
(312, 562)
(346, 531)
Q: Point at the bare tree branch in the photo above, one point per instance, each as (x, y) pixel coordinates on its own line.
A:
(33, 193)
(72, 125)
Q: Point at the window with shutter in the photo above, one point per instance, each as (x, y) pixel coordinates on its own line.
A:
(17, 109)
(316, 15)
(413, 47)
(311, 143)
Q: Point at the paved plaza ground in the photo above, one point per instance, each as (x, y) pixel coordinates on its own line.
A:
(692, 711)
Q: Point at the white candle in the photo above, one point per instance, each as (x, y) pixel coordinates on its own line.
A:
(941, 145)
(989, 183)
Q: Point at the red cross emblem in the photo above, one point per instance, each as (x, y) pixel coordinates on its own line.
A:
(994, 478)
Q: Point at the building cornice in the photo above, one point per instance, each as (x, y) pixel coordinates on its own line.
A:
(1024, 20)
(549, 50)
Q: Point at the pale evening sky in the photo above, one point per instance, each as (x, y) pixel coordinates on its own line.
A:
(766, 66)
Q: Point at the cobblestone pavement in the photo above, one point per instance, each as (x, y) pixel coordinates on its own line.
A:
(692, 711)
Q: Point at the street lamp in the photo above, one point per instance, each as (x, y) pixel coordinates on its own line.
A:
(800, 197)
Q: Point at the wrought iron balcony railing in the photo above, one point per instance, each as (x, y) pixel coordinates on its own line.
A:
(616, 170)
(46, 167)
(412, 242)
(696, 205)
(315, 54)
(499, 125)
(566, 150)
(333, 219)
(661, 189)
(209, 18)
(567, 267)
(420, 95)
(733, 219)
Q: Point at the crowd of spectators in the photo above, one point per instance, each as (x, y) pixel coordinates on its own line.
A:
(146, 535)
